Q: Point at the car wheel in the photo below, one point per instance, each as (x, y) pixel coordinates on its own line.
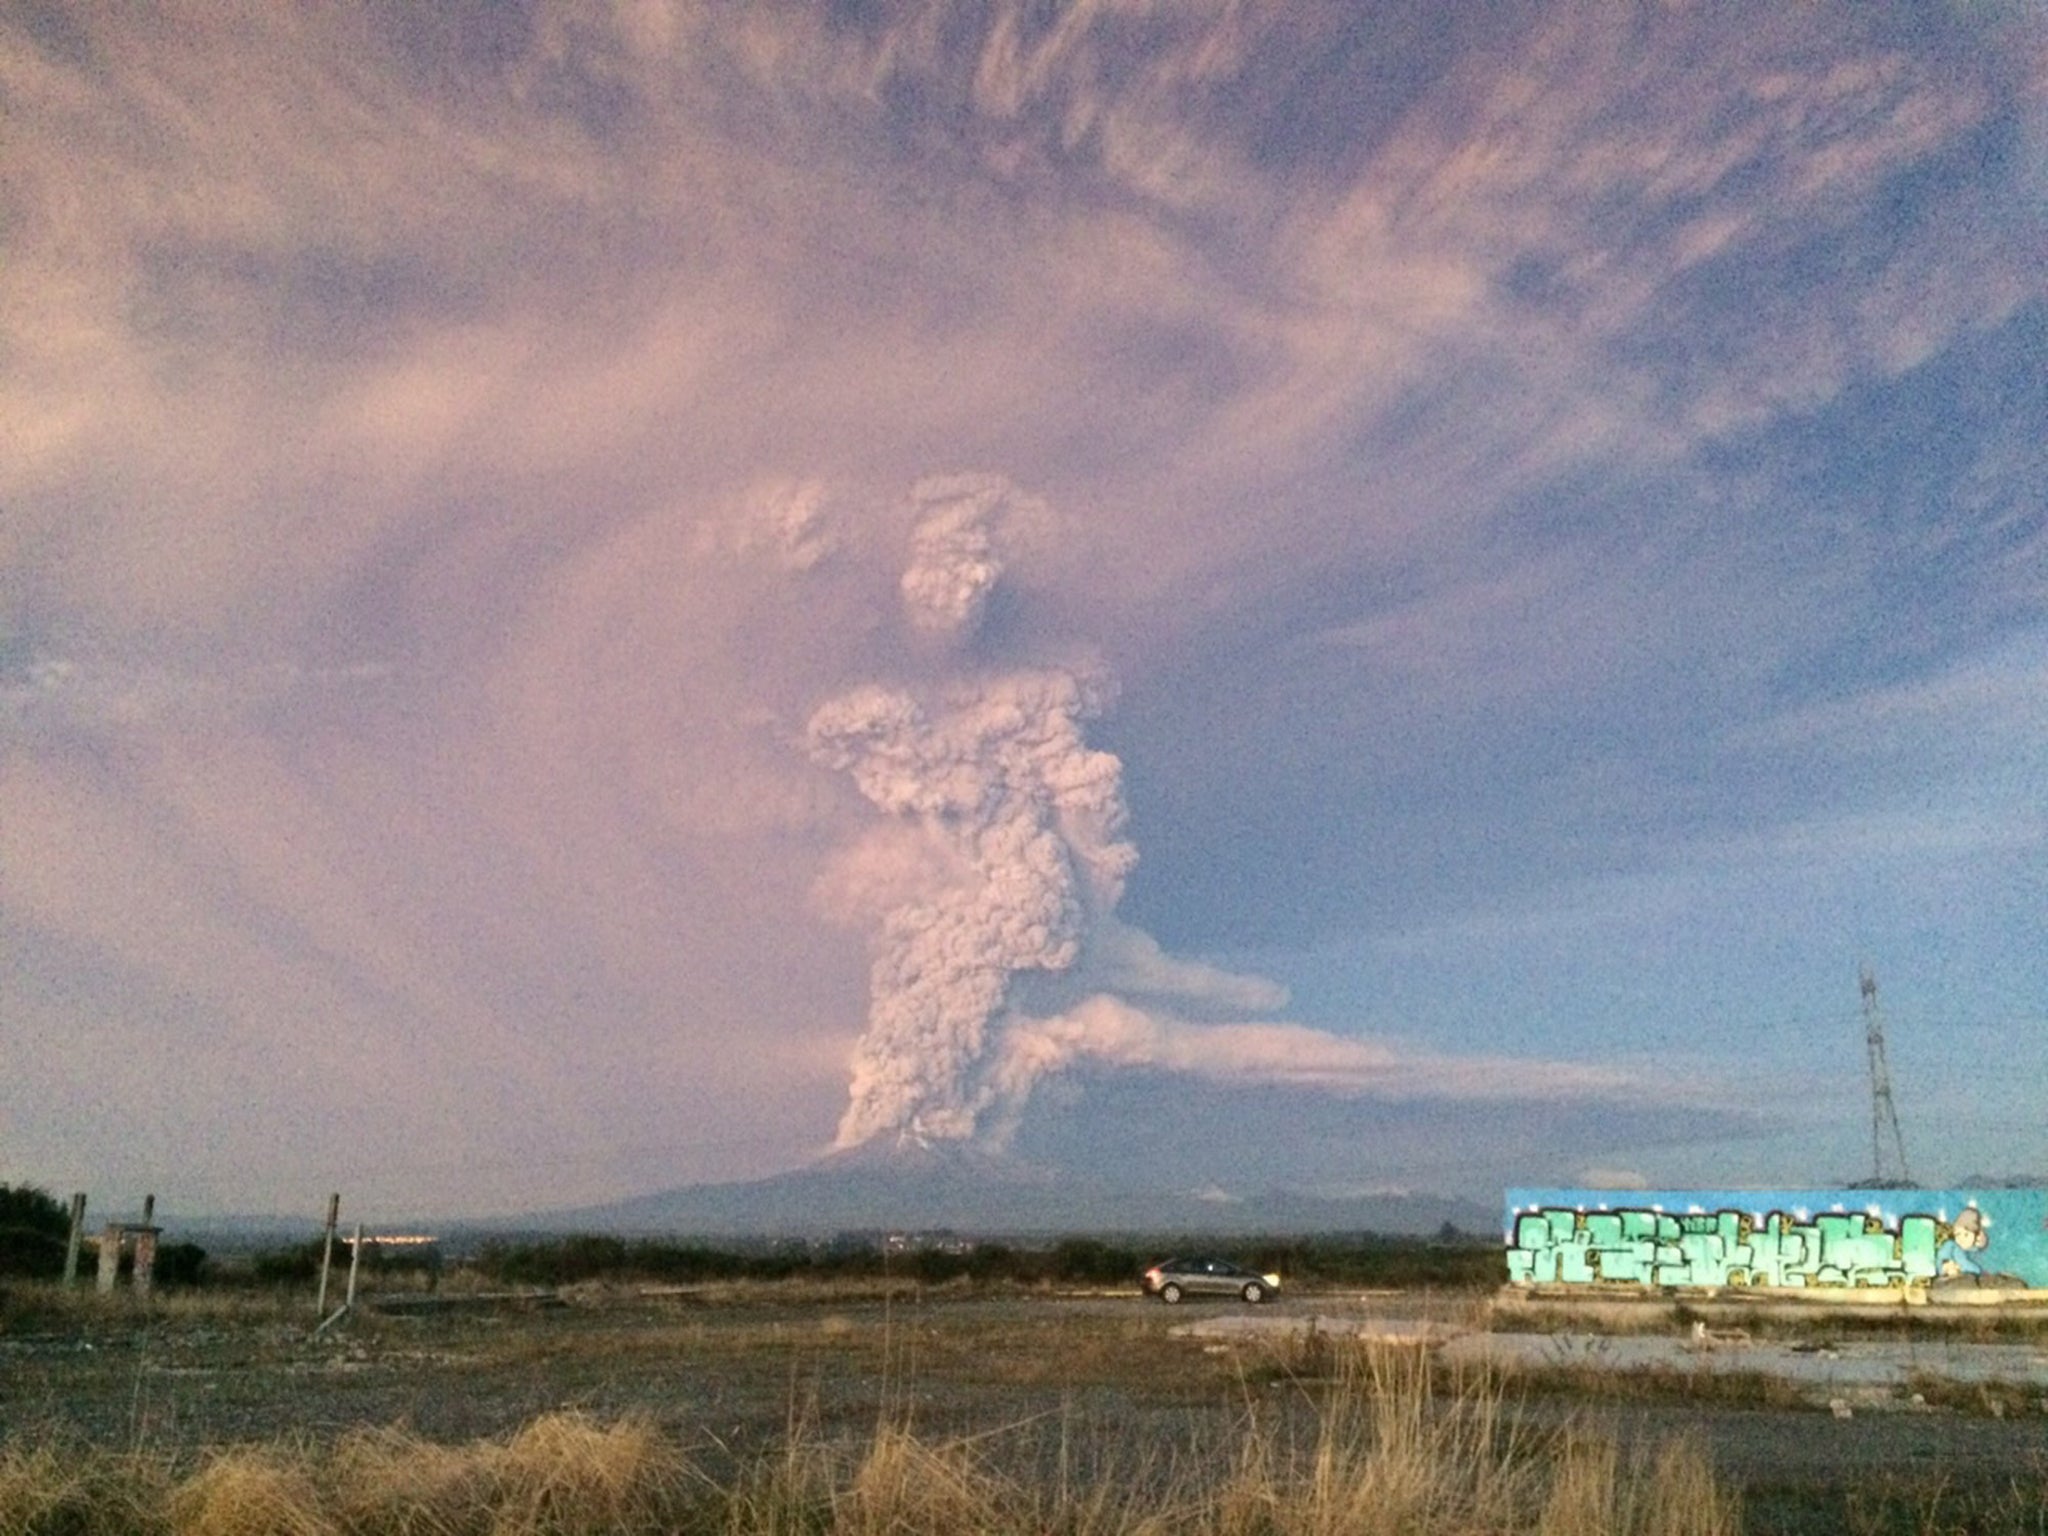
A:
(1169, 1293)
(1254, 1293)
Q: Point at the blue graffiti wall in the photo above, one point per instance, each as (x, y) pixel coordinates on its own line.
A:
(1937, 1240)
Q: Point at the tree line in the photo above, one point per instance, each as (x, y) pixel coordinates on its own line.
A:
(35, 1227)
(1451, 1260)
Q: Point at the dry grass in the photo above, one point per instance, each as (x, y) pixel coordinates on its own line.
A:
(60, 1488)
(267, 1491)
(42, 1306)
(564, 1476)
(1395, 1450)
(903, 1485)
(385, 1482)
(1384, 1448)
(1115, 1428)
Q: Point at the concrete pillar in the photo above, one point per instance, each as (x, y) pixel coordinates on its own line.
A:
(110, 1256)
(145, 1259)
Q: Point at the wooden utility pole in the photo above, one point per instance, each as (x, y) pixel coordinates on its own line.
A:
(355, 1259)
(145, 1248)
(76, 1240)
(327, 1252)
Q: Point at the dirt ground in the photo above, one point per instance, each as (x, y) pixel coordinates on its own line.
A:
(728, 1373)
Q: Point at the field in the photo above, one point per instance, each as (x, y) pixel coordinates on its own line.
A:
(899, 1407)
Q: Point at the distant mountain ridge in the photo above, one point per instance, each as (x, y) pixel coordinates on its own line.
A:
(913, 1186)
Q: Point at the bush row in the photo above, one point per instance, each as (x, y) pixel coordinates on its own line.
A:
(34, 1226)
(1454, 1263)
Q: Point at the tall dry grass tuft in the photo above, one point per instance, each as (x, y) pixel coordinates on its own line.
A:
(1395, 1451)
(567, 1475)
(1672, 1493)
(1387, 1453)
(1584, 1487)
(61, 1489)
(786, 1492)
(905, 1487)
(1136, 1499)
(387, 1482)
(1684, 1498)
(562, 1475)
(251, 1492)
(898, 1484)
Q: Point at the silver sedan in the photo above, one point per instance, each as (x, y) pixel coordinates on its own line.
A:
(1171, 1280)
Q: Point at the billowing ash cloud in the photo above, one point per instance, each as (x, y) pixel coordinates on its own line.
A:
(956, 549)
(1003, 858)
(1025, 821)
(792, 513)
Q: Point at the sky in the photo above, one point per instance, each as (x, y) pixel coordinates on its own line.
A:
(1235, 595)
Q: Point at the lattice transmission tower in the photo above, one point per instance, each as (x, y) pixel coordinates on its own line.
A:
(1884, 1114)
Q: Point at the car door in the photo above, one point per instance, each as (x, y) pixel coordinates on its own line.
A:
(1219, 1278)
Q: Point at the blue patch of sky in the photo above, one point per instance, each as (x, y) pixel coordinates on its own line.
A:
(468, 51)
(1728, 313)
(575, 84)
(1917, 203)
(1324, 96)
(322, 301)
(1159, 1130)
(1993, 155)
(1367, 810)
(870, 20)
(57, 33)
(457, 46)
(1873, 485)
(934, 108)
(1325, 798)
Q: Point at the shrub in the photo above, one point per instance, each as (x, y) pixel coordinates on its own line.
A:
(561, 1262)
(180, 1264)
(1090, 1261)
(295, 1265)
(34, 1231)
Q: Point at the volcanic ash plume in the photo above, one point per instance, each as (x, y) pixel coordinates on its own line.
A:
(1109, 1030)
(1025, 820)
(957, 548)
(1002, 855)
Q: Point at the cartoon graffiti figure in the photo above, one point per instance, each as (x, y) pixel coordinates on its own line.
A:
(1965, 1236)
